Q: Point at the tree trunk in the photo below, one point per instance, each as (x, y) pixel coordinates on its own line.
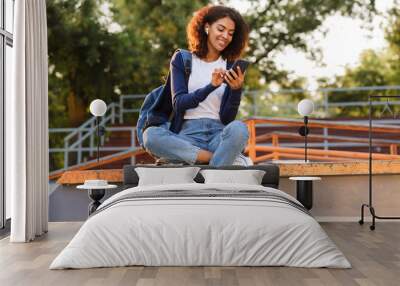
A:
(76, 110)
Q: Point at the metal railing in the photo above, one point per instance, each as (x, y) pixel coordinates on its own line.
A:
(85, 134)
(321, 97)
(77, 137)
(324, 107)
(277, 150)
(123, 99)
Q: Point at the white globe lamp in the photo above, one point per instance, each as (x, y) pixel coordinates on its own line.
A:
(305, 108)
(98, 108)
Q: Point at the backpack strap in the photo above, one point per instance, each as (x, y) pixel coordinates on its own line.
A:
(187, 62)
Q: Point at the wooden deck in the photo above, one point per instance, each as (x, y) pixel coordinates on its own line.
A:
(375, 257)
(380, 167)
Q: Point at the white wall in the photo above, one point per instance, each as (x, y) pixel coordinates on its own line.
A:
(340, 197)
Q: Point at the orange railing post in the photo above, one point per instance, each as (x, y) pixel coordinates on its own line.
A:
(252, 140)
(275, 143)
(393, 149)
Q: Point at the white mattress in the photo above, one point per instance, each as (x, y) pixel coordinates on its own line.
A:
(193, 231)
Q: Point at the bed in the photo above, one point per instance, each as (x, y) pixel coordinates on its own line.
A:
(201, 224)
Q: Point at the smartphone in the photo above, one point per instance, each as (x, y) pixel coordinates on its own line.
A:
(243, 64)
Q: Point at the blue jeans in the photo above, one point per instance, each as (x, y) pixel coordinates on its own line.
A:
(225, 142)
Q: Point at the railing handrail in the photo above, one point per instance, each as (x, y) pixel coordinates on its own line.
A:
(283, 134)
(133, 96)
(339, 104)
(333, 153)
(91, 132)
(90, 121)
(327, 89)
(318, 123)
(89, 149)
(79, 128)
(111, 128)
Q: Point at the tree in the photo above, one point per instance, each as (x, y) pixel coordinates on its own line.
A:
(85, 60)
(372, 71)
(277, 25)
(393, 52)
(375, 68)
(159, 28)
(89, 61)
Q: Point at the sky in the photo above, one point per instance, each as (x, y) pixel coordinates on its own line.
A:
(341, 47)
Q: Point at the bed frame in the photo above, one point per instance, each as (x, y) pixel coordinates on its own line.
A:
(270, 179)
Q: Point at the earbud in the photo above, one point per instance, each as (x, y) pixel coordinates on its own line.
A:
(206, 30)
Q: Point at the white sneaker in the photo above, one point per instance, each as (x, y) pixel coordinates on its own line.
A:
(242, 160)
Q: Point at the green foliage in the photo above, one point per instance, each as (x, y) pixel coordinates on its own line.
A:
(372, 71)
(277, 25)
(85, 60)
(393, 53)
(159, 28)
(375, 68)
(89, 61)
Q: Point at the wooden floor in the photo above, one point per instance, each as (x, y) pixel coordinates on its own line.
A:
(375, 257)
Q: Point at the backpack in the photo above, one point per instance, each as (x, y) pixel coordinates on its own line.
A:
(157, 105)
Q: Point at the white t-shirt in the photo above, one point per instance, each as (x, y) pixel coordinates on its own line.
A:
(199, 77)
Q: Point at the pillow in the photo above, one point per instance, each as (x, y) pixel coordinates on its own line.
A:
(165, 176)
(249, 177)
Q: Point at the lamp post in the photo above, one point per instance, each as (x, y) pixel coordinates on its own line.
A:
(98, 108)
(305, 108)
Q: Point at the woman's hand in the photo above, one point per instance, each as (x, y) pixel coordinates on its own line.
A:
(234, 79)
(217, 77)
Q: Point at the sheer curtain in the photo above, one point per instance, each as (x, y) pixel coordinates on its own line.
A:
(27, 124)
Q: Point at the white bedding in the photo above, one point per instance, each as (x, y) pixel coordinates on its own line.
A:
(224, 231)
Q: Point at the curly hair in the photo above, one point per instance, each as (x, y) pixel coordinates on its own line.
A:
(197, 38)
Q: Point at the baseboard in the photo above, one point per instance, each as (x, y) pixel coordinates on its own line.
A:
(348, 219)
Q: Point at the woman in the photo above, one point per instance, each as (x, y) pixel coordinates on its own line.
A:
(203, 129)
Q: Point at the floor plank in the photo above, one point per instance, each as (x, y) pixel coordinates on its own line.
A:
(374, 255)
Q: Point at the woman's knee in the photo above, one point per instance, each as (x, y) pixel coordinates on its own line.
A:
(238, 131)
(151, 137)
